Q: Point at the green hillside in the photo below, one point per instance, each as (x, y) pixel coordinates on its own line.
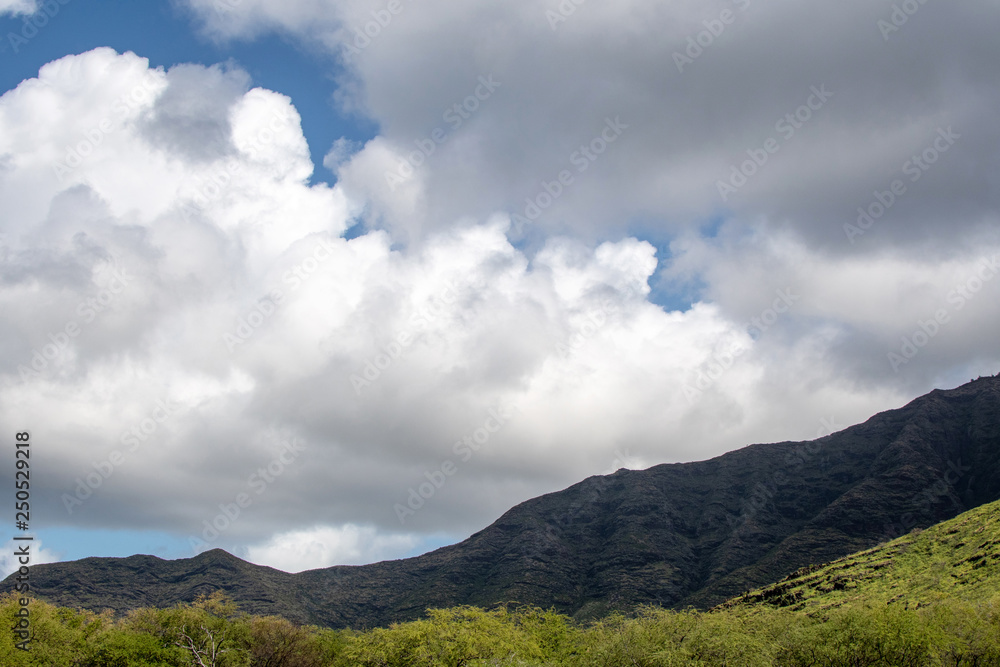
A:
(955, 559)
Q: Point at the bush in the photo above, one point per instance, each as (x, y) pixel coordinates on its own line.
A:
(947, 632)
(461, 636)
(891, 636)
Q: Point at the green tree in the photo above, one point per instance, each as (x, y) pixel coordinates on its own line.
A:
(275, 642)
(206, 630)
(59, 637)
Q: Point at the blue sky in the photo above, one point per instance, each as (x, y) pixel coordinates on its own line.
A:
(187, 290)
(167, 34)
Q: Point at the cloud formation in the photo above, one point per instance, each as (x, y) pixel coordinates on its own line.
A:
(17, 7)
(300, 550)
(752, 68)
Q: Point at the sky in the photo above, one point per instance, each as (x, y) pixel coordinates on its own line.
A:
(327, 283)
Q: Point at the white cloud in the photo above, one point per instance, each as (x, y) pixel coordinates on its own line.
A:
(867, 303)
(10, 561)
(17, 7)
(324, 546)
(339, 153)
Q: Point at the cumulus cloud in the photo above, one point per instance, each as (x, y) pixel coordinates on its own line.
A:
(179, 303)
(324, 546)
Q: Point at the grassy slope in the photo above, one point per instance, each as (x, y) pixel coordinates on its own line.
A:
(958, 558)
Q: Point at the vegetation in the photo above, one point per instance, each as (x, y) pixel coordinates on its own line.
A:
(929, 598)
(211, 633)
(959, 558)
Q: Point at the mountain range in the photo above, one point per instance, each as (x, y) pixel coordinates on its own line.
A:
(676, 535)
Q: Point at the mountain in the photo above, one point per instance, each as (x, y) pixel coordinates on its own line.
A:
(675, 535)
(956, 559)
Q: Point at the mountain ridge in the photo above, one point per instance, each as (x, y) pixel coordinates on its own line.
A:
(676, 535)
